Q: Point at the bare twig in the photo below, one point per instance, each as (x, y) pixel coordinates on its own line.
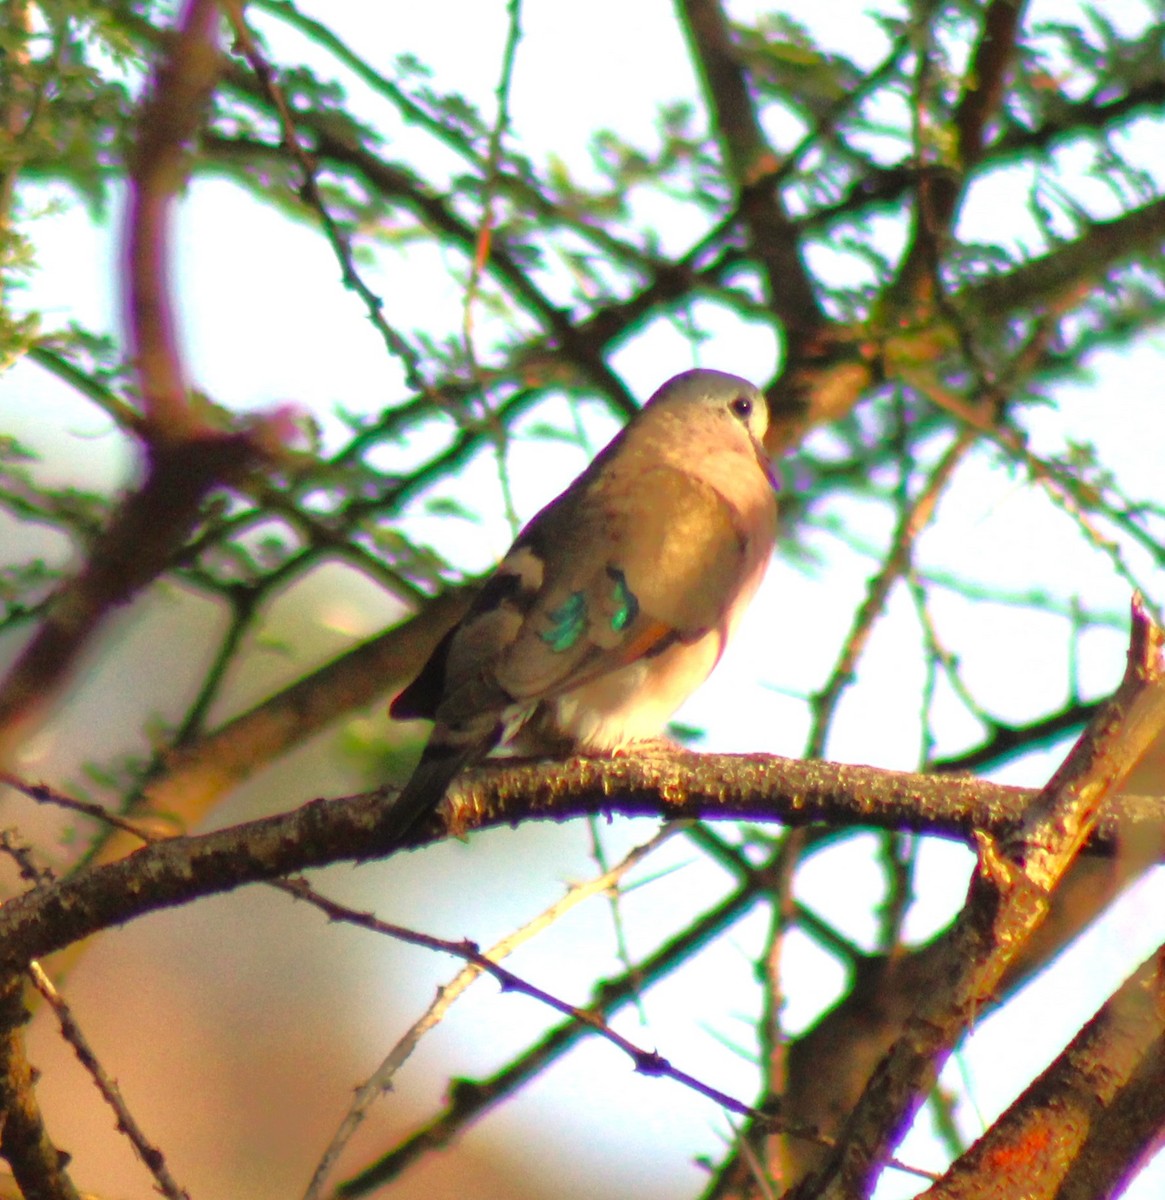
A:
(471, 1100)
(381, 1080)
(1002, 741)
(647, 1062)
(490, 181)
(615, 899)
(914, 519)
(150, 1155)
(481, 254)
(24, 855)
(395, 342)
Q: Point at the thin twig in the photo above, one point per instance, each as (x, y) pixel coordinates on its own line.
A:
(150, 1155)
(24, 856)
(897, 563)
(309, 191)
(144, 831)
(381, 1080)
(647, 1062)
(622, 950)
(489, 183)
(473, 1099)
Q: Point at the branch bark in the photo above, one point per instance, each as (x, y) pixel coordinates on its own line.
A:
(731, 787)
(1094, 1113)
(1007, 902)
(183, 82)
(37, 1165)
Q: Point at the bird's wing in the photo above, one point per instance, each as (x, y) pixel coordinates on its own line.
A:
(611, 573)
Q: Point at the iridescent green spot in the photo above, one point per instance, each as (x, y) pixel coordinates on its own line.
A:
(626, 606)
(568, 622)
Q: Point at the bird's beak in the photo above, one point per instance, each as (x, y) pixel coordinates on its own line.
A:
(767, 466)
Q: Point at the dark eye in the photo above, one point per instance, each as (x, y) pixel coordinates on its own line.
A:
(742, 407)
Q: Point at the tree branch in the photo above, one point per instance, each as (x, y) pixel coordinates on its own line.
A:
(470, 1100)
(750, 163)
(897, 563)
(150, 1155)
(730, 787)
(1098, 1109)
(940, 188)
(183, 82)
(1008, 901)
(187, 455)
(37, 1165)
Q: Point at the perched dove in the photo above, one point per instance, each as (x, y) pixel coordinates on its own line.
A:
(617, 599)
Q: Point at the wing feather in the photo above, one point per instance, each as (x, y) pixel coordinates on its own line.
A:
(629, 571)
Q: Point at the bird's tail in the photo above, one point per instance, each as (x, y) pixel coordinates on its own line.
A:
(447, 753)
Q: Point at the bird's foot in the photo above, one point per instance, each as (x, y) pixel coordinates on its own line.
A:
(648, 747)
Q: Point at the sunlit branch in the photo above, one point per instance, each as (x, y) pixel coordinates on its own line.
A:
(1097, 1108)
(309, 191)
(749, 787)
(1006, 905)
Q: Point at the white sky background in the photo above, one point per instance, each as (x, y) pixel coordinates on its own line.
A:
(266, 321)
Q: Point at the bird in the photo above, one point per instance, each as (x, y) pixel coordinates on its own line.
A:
(616, 600)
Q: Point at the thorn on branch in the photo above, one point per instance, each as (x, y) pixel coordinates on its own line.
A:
(651, 1062)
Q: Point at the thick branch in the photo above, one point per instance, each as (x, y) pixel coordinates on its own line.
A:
(1070, 269)
(1097, 1109)
(750, 162)
(187, 456)
(1008, 901)
(182, 83)
(37, 1165)
(749, 787)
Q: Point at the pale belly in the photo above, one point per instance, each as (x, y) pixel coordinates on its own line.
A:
(631, 704)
